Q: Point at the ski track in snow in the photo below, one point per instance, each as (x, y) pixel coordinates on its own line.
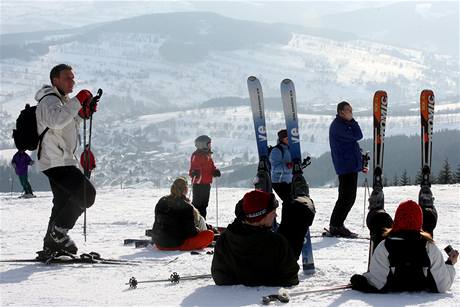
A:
(120, 214)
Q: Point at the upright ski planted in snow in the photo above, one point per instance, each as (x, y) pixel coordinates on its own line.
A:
(262, 180)
(292, 125)
(380, 104)
(425, 197)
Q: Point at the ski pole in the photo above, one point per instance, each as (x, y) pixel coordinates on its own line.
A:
(12, 182)
(174, 278)
(365, 185)
(190, 190)
(84, 181)
(217, 205)
(283, 296)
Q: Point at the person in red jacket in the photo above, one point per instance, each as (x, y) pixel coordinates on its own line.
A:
(90, 164)
(202, 170)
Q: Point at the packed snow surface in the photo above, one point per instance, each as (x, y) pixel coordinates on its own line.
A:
(126, 213)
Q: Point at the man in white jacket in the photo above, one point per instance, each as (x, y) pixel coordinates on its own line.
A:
(59, 117)
(407, 259)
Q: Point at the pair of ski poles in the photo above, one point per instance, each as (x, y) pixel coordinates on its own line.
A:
(87, 153)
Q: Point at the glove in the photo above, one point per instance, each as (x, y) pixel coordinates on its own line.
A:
(365, 170)
(216, 173)
(195, 173)
(290, 165)
(88, 103)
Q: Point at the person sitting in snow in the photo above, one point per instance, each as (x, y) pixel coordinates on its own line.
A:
(178, 225)
(248, 252)
(407, 258)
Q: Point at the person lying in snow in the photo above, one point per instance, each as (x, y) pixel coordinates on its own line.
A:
(407, 259)
(248, 252)
(178, 225)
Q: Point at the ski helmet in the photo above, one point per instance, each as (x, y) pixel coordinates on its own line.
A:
(202, 142)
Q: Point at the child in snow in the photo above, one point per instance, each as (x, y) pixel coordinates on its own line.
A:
(21, 160)
(407, 259)
(248, 252)
(202, 170)
(178, 225)
(281, 167)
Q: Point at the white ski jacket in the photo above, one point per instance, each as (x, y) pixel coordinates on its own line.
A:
(60, 115)
(443, 274)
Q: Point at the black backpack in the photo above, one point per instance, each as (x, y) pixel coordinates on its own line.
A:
(25, 135)
(409, 266)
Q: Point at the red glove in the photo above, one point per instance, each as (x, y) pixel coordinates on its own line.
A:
(365, 170)
(88, 104)
(290, 165)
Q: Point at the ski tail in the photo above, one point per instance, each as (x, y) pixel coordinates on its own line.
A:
(262, 181)
(292, 122)
(288, 97)
(258, 115)
(426, 116)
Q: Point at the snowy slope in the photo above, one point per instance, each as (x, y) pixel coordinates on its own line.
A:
(119, 214)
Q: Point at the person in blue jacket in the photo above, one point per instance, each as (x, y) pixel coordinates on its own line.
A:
(281, 167)
(344, 134)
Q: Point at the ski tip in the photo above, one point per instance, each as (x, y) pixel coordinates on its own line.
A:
(252, 78)
(427, 94)
(286, 81)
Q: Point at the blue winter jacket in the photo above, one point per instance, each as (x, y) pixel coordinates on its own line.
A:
(279, 164)
(345, 151)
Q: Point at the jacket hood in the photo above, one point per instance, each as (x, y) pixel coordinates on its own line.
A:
(48, 89)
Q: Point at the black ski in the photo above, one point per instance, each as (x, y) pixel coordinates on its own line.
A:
(425, 197)
(62, 257)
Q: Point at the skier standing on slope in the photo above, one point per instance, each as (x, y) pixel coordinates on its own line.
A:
(202, 170)
(21, 161)
(281, 167)
(344, 134)
(248, 252)
(178, 225)
(72, 191)
(407, 259)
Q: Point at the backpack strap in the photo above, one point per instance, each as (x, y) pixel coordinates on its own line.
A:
(40, 137)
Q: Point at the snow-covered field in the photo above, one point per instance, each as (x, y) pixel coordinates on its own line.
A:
(119, 214)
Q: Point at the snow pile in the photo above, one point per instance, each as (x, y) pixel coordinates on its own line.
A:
(119, 214)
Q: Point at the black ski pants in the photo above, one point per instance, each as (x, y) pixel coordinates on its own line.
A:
(201, 194)
(348, 183)
(283, 190)
(72, 193)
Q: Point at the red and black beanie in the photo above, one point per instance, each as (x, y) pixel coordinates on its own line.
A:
(257, 204)
(408, 216)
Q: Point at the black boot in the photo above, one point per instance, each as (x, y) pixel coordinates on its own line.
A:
(58, 239)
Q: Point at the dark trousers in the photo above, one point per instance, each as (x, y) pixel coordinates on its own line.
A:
(348, 183)
(283, 190)
(25, 184)
(201, 197)
(72, 193)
